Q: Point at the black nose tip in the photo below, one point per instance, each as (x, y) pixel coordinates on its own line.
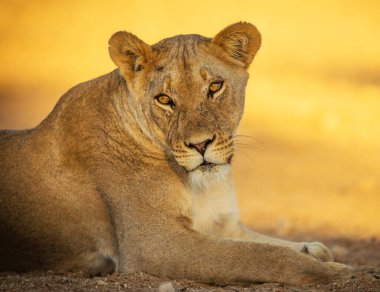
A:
(202, 146)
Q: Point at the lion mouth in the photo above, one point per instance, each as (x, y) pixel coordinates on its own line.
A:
(206, 163)
(209, 166)
(206, 166)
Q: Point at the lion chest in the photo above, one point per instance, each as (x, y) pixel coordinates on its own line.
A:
(212, 207)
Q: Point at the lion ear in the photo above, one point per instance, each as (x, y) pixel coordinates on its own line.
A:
(129, 53)
(240, 41)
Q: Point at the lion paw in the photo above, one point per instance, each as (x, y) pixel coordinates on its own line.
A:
(317, 250)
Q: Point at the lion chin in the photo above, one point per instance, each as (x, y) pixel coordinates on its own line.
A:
(208, 174)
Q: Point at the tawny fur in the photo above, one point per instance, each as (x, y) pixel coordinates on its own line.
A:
(111, 179)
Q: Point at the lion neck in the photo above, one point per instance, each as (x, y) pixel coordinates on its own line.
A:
(142, 132)
(95, 122)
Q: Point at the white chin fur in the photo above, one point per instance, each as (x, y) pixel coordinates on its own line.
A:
(202, 178)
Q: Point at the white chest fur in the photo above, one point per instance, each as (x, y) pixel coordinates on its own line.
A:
(213, 201)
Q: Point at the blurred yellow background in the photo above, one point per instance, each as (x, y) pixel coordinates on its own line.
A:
(311, 162)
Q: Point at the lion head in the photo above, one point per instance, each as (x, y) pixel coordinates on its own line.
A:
(187, 92)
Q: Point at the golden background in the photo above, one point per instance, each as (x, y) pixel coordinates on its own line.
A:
(311, 161)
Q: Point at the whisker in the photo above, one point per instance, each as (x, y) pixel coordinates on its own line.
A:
(251, 144)
(244, 144)
(247, 137)
(248, 146)
(242, 147)
(245, 154)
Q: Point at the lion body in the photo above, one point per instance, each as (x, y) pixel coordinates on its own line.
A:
(113, 180)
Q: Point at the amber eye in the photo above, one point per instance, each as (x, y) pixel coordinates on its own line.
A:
(164, 100)
(214, 87)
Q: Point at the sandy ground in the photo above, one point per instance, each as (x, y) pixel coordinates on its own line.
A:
(355, 253)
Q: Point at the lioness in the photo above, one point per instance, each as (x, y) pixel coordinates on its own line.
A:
(131, 171)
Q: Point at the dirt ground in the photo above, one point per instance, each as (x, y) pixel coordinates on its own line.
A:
(363, 253)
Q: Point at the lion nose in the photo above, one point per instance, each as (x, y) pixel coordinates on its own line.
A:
(201, 146)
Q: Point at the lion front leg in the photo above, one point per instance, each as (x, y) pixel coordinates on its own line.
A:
(314, 249)
(181, 253)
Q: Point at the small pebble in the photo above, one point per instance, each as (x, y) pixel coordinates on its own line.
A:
(166, 287)
(101, 282)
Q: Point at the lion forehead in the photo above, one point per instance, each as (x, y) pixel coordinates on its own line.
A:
(186, 56)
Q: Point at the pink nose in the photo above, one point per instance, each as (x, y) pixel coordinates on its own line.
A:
(202, 146)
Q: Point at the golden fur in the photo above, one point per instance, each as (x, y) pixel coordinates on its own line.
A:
(117, 179)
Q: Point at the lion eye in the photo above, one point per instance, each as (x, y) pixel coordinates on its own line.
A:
(214, 87)
(165, 100)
